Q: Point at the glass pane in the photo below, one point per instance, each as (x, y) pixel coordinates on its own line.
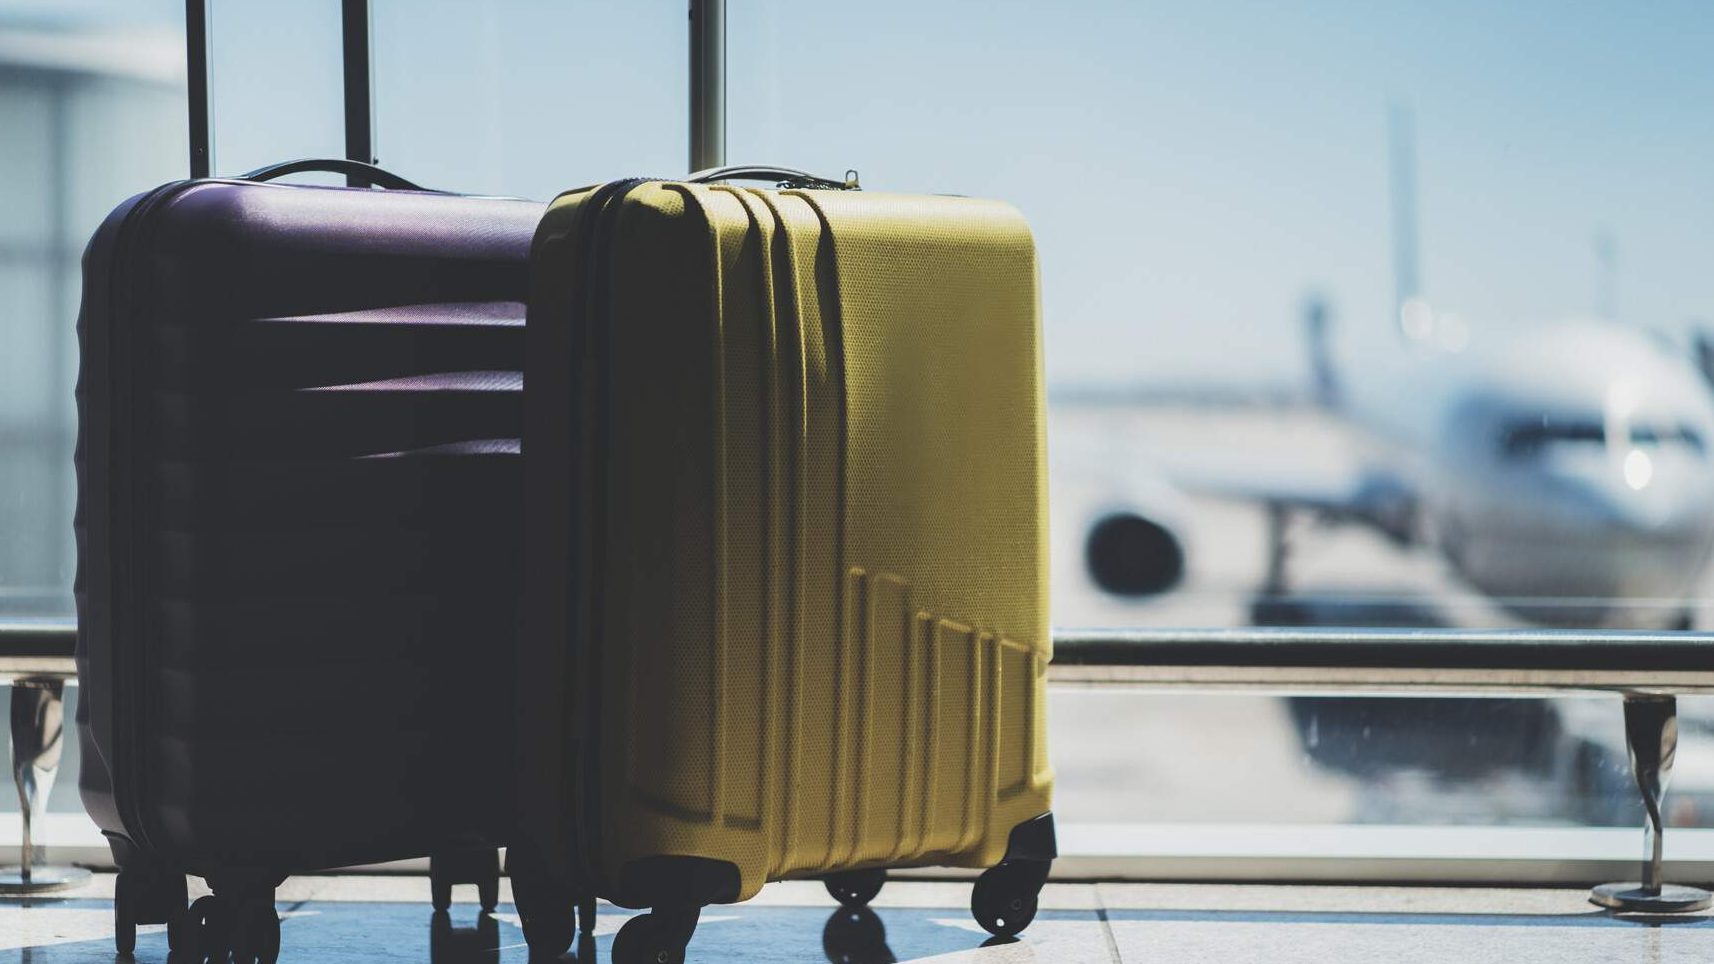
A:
(92, 106)
(26, 116)
(277, 82)
(529, 97)
(1123, 757)
(1357, 315)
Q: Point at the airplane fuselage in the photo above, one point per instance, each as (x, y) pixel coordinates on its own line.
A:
(1565, 471)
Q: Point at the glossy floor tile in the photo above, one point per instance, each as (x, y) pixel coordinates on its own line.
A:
(1378, 925)
(387, 919)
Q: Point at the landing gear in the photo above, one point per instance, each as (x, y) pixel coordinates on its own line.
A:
(220, 928)
(145, 895)
(479, 867)
(658, 937)
(855, 888)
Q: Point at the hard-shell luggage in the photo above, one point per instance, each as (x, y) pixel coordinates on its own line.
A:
(786, 572)
(298, 533)
(299, 529)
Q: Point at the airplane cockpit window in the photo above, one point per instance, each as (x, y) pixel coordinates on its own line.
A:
(1532, 437)
(1683, 435)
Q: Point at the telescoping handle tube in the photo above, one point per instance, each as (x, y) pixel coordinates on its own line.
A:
(707, 83)
(359, 89)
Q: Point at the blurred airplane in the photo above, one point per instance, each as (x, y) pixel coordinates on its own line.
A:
(1566, 471)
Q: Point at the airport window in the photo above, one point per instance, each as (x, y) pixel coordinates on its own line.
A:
(1356, 316)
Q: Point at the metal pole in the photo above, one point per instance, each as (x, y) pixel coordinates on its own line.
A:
(359, 88)
(196, 83)
(707, 84)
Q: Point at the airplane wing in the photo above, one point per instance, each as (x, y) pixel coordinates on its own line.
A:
(1283, 452)
(1364, 495)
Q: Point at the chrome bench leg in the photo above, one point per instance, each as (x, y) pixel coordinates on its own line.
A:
(38, 738)
(1651, 737)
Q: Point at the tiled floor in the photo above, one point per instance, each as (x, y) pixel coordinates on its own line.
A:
(359, 919)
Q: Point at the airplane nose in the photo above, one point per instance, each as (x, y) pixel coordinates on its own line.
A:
(1649, 494)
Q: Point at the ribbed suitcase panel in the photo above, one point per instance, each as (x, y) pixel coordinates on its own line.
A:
(304, 414)
(825, 535)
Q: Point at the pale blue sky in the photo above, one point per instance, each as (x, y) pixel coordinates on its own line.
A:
(1191, 168)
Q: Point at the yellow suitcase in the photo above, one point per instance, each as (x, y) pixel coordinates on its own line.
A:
(786, 591)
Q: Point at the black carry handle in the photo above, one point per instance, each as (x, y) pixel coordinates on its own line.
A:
(783, 176)
(359, 92)
(368, 173)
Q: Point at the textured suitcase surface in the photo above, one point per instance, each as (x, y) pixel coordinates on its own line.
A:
(786, 594)
(298, 524)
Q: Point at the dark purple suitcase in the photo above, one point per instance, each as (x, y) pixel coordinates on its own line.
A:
(298, 528)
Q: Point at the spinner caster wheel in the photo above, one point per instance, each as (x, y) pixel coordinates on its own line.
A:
(586, 915)
(205, 933)
(184, 935)
(125, 898)
(256, 933)
(855, 888)
(144, 896)
(1004, 900)
(549, 935)
(653, 938)
(546, 909)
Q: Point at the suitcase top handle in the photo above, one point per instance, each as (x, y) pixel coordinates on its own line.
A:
(336, 165)
(782, 176)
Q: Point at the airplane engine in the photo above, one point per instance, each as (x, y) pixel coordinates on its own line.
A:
(1129, 554)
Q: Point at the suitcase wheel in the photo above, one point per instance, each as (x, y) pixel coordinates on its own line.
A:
(125, 899)
(201, 931)
(256, 936)
(659, 937)
(586, 914)
(546, 908)
(549, 934)
(184, 935)
(1004, 901)
(218, 929)
(855, 888)
(124, 931)
(144, 896)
